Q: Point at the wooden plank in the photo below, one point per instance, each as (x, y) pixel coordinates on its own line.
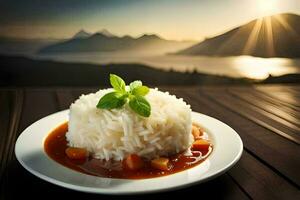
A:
(280, 87)
(79, 91)
(11, 106)
(259, 141)
(273, 100)
(260, 182)
(282, 93)
(6, 109)
(295, 87)
(253, 113)
(64, 98)
(266, 98)
(37, 104)
(292, 88)
(288, 115)
(11, 102)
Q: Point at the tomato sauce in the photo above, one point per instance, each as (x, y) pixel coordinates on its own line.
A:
(56, 144)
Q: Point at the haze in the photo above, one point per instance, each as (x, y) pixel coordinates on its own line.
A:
(170, 19)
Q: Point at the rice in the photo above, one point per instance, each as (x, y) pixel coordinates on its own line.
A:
(116, 133)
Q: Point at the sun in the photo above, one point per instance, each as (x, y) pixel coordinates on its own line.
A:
(268, 7)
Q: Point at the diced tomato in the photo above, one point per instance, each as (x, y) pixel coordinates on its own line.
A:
(76, 153)
(201, 144)
(160, 163)
(133, 162)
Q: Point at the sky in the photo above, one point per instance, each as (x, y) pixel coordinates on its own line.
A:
(170, 19)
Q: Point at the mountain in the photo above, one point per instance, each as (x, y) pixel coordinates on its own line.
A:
(106, 33)
(24, 46)
(82, 34)
(105, 41)
(272, 36)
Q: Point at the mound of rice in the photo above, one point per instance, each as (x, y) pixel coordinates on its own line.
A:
(116, 133)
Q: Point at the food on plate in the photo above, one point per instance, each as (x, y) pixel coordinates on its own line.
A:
(200, 144)
(76, 153)
(133, 162)
(161, 163)
(129, 132)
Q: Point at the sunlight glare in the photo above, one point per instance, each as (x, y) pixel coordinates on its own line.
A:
(285, 25)
(267, 7)
(260, 68)
(270, 40)
(252, 40)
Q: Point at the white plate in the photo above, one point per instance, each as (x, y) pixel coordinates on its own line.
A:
(30, 153)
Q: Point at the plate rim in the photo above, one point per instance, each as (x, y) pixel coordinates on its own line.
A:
(94, 190)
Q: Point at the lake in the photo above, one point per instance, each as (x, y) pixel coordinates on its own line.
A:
(235, 66)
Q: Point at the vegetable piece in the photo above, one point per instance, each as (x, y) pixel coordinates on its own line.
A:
(133, 162)
(201, 144)
(161, 163)
(140, 90)
(135, 84)
(197, 133)
(76, 153)
(112, 100)
(199, 127)
(140, 105)
(135, 96)
(117, 82)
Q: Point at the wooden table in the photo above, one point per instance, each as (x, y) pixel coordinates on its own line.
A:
(266, 118)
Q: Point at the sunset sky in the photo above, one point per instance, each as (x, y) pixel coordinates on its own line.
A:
(171, 19)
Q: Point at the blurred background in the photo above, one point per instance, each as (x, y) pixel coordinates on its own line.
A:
(177, 42)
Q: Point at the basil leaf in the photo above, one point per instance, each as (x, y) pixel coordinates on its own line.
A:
(117, 83)
(140, 91)
(112, 100)
(135, 84)
(140, 105)
(120, 96)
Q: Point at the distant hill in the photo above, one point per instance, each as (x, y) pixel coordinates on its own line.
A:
(106, 33)
(24, 72)
(273, 36)
(82, 34)
(286, 78)
(20, 71)
(105, 41)
(24, 46)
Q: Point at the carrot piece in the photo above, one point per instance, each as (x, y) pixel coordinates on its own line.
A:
(133, 162)
(196, 132)
(76, 153)
(160, 163)
(201, 144)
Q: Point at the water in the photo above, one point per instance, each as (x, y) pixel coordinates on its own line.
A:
(236, 66)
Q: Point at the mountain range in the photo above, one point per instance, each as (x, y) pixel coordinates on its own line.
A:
(272, 36)
(104, 41)
(84, 34)
(24, 46)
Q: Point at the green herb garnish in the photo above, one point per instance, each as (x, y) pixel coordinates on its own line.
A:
(134, 96)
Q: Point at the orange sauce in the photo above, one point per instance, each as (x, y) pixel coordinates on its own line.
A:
(56, 144)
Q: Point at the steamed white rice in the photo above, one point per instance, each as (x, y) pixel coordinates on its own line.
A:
(116, 133)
